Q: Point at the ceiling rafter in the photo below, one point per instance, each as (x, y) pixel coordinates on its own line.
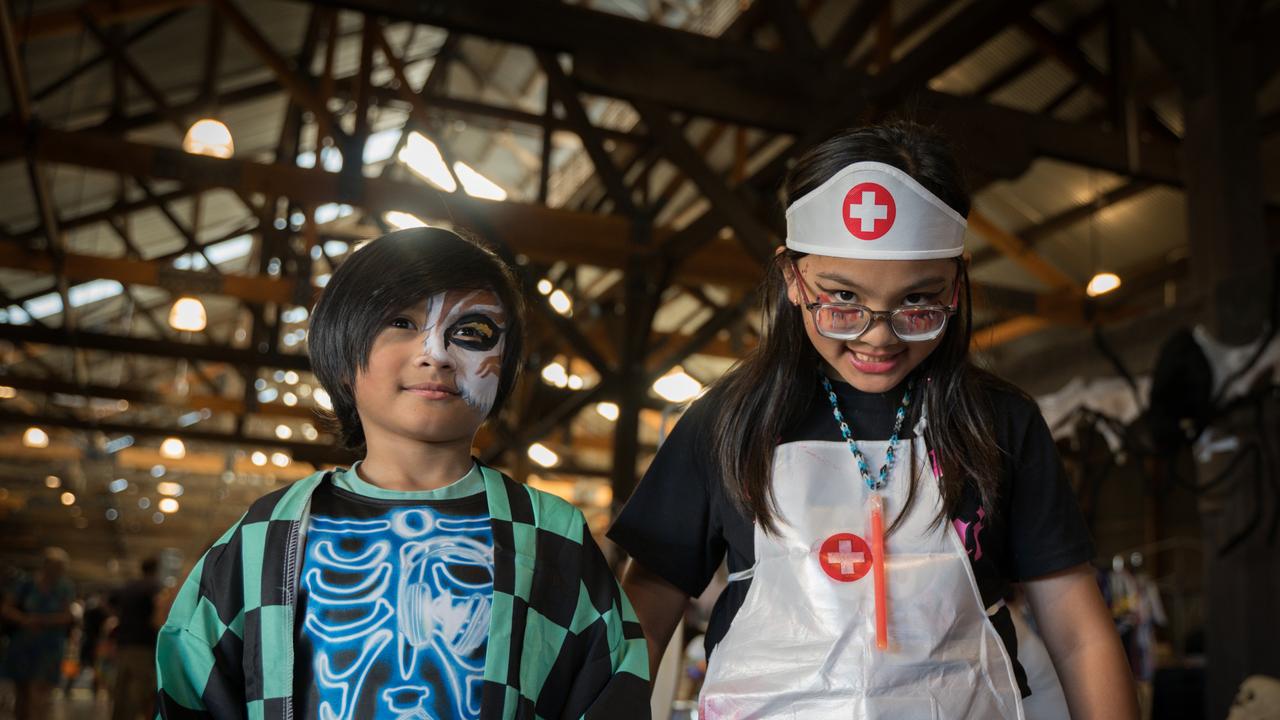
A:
(716, 70)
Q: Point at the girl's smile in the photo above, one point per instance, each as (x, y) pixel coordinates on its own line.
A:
(874, 363)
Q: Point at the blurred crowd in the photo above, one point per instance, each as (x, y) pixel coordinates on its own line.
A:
(55, 638)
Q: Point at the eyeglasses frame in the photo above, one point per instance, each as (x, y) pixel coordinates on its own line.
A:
(887, 315)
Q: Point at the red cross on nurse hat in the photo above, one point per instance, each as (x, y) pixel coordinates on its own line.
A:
(874, 211)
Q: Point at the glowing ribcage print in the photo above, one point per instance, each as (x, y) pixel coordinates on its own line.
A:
(419, 578)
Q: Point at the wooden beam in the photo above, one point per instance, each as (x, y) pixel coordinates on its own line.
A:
(285, 73)
(83, 268)
(1016, 69)
(853, 28)
(314, 453)
(117, 52)
(1018, 250)
(963, 33)
(714, 75)
(543, 234)
(131, 345)
(214, 403)
(566, 92)
(105, 12)
(39, 181)
(1006, 331)
(1034, 234)
(114, 211)
(793, 26)
(755, 235)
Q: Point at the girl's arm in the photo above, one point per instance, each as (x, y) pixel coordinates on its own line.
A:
(1082, 640)
(659, 606)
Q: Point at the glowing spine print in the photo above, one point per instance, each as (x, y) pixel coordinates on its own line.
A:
(418, 578)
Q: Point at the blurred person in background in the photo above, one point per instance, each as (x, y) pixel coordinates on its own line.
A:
(135, 607)
(91, 638)
(39, 610)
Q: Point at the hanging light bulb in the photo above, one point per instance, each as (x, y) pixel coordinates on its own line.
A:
(402, 220)
(34, 437)
(322, 399)
(543, 455)
(188, 315)
(173, 449)
(560, 302)
(677, 386)
(609, 411)
(1102, 283)
(209, 137)
(169, 488)
(555, 374)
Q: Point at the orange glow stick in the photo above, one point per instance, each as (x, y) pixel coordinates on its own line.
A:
(877, 570)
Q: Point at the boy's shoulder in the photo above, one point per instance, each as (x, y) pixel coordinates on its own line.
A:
(531, 506)
(286, 503)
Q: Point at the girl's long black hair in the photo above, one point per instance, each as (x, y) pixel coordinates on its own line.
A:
(771, 389)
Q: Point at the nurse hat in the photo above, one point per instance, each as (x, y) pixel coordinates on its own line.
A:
(874, 211)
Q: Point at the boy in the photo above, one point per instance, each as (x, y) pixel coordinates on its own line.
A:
(418, 583)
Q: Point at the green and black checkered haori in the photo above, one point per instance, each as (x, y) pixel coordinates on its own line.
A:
(564, 641)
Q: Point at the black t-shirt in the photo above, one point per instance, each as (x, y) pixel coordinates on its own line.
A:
(394, 601)
(681, 525)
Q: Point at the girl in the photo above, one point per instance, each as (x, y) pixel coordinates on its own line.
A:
(875, 493)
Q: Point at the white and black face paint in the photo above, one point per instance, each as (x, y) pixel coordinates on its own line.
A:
(468, 335)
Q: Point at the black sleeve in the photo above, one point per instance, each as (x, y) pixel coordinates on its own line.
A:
(670, 525)
(1047, 531)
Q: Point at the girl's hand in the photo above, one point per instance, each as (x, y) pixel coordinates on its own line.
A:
(1082, 640)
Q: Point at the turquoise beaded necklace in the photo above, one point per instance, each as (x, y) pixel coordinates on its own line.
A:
(891, 456)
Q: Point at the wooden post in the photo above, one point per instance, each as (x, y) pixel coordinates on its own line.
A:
(1223, 173)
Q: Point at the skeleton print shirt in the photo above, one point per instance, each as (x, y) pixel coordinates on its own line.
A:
(394, 601)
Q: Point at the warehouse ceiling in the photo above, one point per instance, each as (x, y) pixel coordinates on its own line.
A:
(626, 153)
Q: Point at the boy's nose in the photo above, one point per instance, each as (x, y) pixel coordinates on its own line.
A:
(434, 352)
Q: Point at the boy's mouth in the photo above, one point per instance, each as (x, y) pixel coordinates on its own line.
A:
(432, 391)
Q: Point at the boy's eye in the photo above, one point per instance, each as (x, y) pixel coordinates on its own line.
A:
(402, 323)
(475, 332)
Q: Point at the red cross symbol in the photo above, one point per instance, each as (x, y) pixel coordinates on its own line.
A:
(845, 557)
(869, 211)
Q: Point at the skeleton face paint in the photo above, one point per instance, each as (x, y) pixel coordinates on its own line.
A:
(469, 335)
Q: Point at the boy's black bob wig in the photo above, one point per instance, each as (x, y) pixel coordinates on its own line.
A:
(380, 279)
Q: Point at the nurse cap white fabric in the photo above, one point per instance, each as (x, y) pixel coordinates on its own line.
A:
(874, 211)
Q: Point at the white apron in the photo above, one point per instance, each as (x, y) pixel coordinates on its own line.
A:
(803, 644)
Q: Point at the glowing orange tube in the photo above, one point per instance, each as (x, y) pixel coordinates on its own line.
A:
(877, 570)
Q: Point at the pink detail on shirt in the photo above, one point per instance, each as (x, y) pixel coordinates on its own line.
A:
(972, 541)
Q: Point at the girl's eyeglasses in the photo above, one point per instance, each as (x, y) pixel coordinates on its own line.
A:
(849, 321)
